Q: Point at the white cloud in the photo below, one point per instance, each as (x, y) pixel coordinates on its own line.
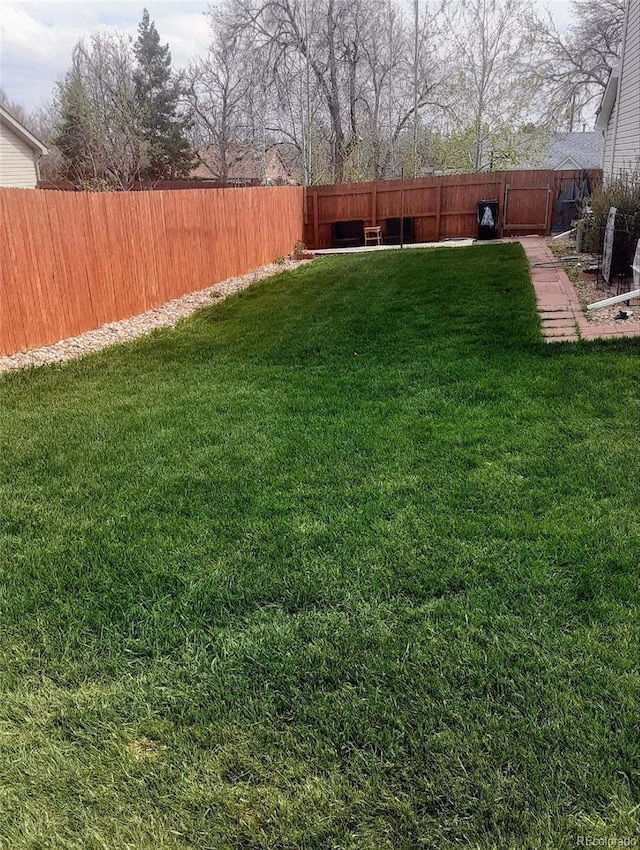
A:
(187, 34)
(20, 31)
(37, 37)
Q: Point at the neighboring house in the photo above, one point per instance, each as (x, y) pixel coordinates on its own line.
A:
(19, 153)
(249, 167)
(567, 152)
(619, 113)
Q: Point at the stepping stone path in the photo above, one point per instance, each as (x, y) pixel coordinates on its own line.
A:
(559, 307)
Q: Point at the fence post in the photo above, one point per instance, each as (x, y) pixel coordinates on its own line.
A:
(374, 205)
(505, 222)
(547, 216)
(503, 201)
(438, 208)
(316, 237)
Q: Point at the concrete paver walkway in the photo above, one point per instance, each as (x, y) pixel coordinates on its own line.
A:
(559, 307)
(362, 249)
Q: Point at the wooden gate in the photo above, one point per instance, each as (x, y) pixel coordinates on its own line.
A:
(520, 207)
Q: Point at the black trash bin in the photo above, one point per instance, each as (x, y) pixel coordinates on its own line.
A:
(487, 214)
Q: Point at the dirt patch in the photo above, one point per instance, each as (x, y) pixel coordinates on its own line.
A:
(145, 750)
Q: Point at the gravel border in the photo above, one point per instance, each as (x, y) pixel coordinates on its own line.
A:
(165, 316)
(589, 292)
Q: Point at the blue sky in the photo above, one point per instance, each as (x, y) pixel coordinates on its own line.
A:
(36, 36)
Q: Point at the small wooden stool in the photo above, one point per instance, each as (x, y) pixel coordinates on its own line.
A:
(373, 236)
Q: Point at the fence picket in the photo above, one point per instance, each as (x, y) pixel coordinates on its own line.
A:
(71, 261)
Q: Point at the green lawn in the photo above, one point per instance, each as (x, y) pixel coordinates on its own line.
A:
(349, 560)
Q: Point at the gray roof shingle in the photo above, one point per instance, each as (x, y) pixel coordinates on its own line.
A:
(582, 149)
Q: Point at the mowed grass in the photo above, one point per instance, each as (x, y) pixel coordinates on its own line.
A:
(347, 561)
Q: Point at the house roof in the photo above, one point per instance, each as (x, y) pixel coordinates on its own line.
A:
(246, 164)
(21, 131)
(608, 99)
(572, 151)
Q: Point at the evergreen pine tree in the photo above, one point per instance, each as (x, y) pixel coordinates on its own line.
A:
(74, 133)
(158, 94)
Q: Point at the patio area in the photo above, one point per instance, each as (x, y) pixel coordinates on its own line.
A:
(361, 249)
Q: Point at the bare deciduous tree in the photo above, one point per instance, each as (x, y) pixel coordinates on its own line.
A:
(345, 76)
(322, 37)
(573, 66)
(491, 99)
(98, 126)
(217, 94)
(356, 89)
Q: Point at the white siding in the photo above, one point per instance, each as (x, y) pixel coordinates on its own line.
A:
(17, 161)
(626, 125)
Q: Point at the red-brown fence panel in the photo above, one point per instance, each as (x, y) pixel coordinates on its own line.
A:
(71, 261)
(441, 207)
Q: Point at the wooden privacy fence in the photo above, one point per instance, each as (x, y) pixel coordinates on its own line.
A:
(441, 207)
(72, 261)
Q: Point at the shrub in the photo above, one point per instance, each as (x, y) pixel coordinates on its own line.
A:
(623, 192)
(299, 249)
